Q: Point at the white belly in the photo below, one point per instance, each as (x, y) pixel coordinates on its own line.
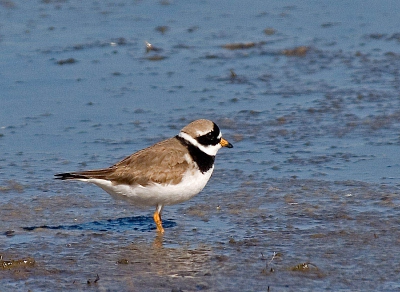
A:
(156, 194)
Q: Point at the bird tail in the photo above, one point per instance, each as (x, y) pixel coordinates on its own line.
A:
(69, 175)
(82, 175)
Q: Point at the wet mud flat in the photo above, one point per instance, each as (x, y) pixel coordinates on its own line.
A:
(288, 234)
(307, 200)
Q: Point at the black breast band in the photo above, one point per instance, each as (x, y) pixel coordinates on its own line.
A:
(203, 160)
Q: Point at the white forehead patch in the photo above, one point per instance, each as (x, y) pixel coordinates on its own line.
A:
(201, 133)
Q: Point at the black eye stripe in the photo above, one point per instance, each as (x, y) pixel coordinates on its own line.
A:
(210, 138)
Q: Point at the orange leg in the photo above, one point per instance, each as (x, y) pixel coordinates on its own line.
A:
(157, 219)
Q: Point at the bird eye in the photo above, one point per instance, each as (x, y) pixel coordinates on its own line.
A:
(211, 136)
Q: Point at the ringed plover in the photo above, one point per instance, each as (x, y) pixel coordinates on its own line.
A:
(166, 173)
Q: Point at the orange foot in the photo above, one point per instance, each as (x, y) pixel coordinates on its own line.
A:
(157, 220)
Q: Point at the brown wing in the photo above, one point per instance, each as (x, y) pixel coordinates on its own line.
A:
(163, 162)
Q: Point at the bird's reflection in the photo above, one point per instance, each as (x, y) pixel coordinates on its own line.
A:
(138, 223)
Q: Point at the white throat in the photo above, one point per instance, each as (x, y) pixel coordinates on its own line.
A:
(209, 149)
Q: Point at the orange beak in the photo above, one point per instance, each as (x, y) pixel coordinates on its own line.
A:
(225, 143)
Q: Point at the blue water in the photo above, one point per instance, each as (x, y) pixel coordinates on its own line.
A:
(314, 172)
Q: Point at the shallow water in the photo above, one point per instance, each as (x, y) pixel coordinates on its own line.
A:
(308, 198)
